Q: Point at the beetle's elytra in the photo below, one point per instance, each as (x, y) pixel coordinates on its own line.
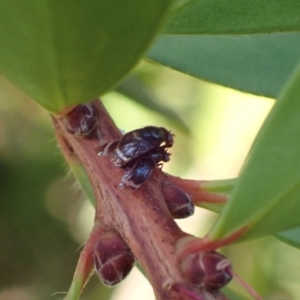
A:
(141, 169)
(139, 152)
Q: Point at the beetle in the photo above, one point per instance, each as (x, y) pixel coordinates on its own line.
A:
(136, 143)
(140, 169)
(82, 120)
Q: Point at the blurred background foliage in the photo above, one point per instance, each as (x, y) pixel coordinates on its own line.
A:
(45, 218)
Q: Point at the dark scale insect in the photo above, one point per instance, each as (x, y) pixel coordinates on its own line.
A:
(140, 169)
(82, 120)
(136, 143)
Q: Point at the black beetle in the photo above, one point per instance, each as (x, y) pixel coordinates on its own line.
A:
(82, 120)
(140, 169)
(136, 143)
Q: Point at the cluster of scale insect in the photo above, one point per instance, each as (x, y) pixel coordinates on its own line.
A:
(138, 152)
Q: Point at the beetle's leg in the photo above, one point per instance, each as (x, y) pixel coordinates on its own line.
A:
(107, 148)
(160, 165)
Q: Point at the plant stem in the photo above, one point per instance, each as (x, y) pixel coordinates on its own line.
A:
(140, 216)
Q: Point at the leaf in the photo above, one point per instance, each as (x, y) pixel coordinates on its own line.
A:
(291, 237)
(134, 89)
(234, 17)
(233, 295)
(226, 187)
(266, 197)
(65, 52)
(258, 64)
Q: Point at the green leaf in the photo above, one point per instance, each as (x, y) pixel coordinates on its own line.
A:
(266, 197)
(291, 237)
(258, 64)
(233, 295)
(235, 17)
(226, 187)
(134, 89)
(65, 52)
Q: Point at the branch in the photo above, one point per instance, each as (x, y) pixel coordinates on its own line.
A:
(141, 217)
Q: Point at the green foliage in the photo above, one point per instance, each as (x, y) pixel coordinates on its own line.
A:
(234, 17)
(30, 165)
(268, 189)
(64, 52)
(233, 295)
(291, 236)
(258, 64)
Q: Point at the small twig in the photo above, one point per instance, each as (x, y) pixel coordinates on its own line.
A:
(195, 190)
(192, 246)
(85, 267)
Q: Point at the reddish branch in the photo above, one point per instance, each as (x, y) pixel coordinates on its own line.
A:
(197, 194)
(140, 216)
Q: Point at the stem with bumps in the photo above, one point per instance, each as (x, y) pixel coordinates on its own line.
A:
(141, 218)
